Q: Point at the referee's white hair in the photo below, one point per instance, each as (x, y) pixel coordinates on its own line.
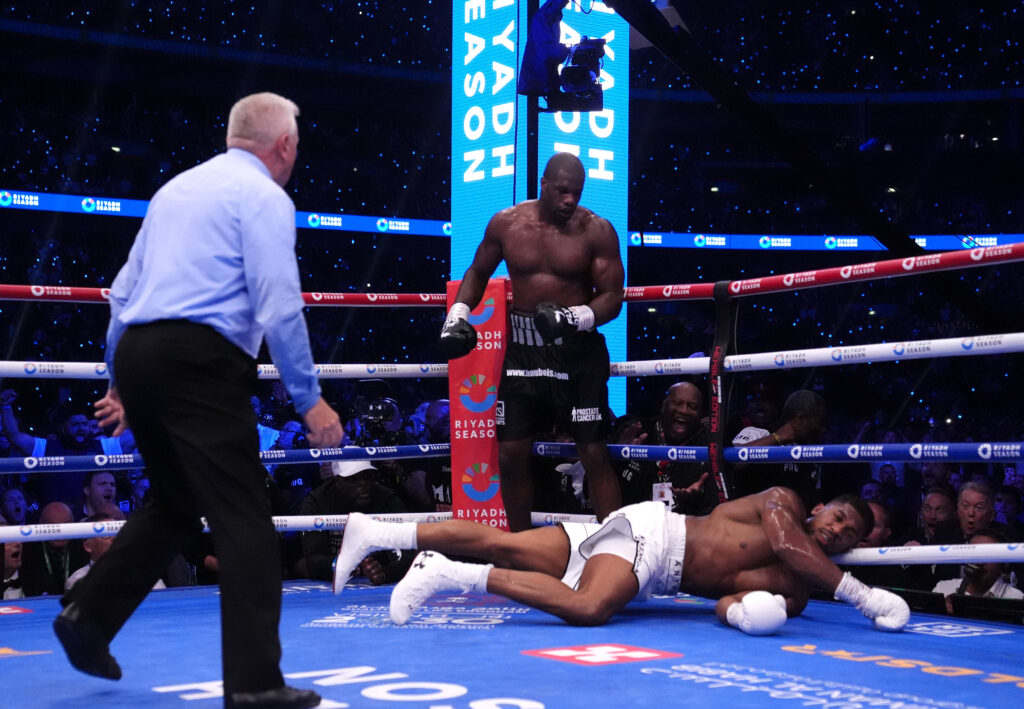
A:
(262, 118)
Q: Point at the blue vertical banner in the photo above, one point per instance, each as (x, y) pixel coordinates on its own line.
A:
(601, 140)
(489, 130)
(488, 119)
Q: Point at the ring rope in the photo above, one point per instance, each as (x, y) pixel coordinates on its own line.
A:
(98, 370)
(1005, 343)
(985, 452)
(876, 270)
(286, 523)
(126, 461)
(932, 554)
(879, 556)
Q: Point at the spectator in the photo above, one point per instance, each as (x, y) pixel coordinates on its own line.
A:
(416, 425)
(898, 468)
(12, 584)
(956, 479)
(73, 438)
(887, 475)
(936, 508)
(762, 411)
(1012, 477)
(1008, 516)
(140, 493)
(13, 507)
(99, 489)
(975, 510)
(936, 473)
(871, 489)
(95, 547)
(880, 533)
(6, 449)
(891, 575)
(933, 474)
(559, 487)
(685, 486)
(803, 417)
(1008, 511)
(46, 565)
(981, 579)
(352, 488)
(893, 496)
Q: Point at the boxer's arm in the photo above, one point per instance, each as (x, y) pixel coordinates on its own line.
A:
(781, 515)
(488, 255)
(607, 274)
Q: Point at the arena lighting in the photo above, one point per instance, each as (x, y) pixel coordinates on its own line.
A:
(577, 87)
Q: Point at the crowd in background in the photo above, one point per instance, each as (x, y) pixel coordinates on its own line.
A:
(913, 502)
(925, 124)
(798, 46)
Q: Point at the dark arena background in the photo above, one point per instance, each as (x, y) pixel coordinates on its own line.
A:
(917, 105)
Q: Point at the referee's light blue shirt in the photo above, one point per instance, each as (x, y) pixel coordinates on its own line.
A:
(217, 247)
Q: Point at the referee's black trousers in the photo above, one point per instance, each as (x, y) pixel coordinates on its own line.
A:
(186, 392)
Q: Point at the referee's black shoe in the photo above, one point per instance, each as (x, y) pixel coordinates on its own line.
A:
(84, 643)
(280, 698)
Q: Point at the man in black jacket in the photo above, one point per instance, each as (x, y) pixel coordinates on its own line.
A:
(351, 489)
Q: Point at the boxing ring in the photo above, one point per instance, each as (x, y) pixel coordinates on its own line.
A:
(483, 651)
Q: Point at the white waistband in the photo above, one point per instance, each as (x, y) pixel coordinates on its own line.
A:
(675, 551)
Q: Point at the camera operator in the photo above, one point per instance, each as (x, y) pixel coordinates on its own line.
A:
(429, 485)
(380, 423)
(350, 487)
(294, 480)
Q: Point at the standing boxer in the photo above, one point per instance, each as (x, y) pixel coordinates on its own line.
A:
(566, 273)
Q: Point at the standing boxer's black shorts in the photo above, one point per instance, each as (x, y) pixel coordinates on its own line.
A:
(563, 384)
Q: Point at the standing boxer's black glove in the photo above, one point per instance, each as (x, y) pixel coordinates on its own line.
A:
(458, 337)
(554, 321)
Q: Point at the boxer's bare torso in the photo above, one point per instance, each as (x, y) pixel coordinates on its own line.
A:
(732, 550)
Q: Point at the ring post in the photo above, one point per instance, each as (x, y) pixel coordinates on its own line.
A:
(719, 413)
(473, 393)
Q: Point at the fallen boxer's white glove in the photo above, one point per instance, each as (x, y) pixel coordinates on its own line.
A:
(759, 613)
(887, 610)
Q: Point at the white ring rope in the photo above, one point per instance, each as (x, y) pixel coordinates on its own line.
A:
(98, 370)
(936, 554)
(1010, 342)
(289, 523)
(127, 461)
